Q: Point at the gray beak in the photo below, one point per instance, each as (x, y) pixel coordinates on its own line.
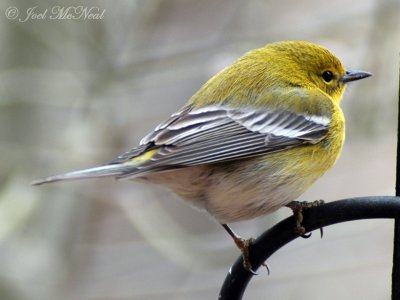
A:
(352, 75)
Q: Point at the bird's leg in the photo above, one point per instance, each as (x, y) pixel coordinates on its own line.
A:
(243, 246)
(297, 208)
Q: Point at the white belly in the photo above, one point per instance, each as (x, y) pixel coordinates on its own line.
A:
(231, 194)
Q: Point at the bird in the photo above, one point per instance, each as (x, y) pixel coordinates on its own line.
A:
(251, 140)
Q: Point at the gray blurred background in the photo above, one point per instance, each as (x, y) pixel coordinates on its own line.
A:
(76, 93)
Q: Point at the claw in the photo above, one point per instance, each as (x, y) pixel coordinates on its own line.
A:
(266, 266)
(251, 271)
(306, 235)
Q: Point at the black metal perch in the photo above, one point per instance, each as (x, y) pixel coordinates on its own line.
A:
(314, 218)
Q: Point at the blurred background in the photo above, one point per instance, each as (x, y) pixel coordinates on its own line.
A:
(78, 92)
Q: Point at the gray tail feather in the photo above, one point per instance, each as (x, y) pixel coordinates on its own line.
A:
(112, 170)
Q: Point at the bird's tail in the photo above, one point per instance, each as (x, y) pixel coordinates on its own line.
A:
(110, 170)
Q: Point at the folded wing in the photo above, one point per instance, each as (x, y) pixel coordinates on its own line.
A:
(214, 134)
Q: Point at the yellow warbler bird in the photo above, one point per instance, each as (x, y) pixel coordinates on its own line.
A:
(251, 140)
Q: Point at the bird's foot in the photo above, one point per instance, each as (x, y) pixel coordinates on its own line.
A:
(243, 246)
(297, 207)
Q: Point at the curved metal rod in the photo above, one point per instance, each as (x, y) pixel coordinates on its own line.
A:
(380, 207)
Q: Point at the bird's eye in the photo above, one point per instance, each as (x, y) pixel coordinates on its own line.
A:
(327, 76)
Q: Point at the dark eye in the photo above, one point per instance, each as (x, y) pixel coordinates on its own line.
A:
(327, 76)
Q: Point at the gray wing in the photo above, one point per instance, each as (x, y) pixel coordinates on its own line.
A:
(214, 134)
